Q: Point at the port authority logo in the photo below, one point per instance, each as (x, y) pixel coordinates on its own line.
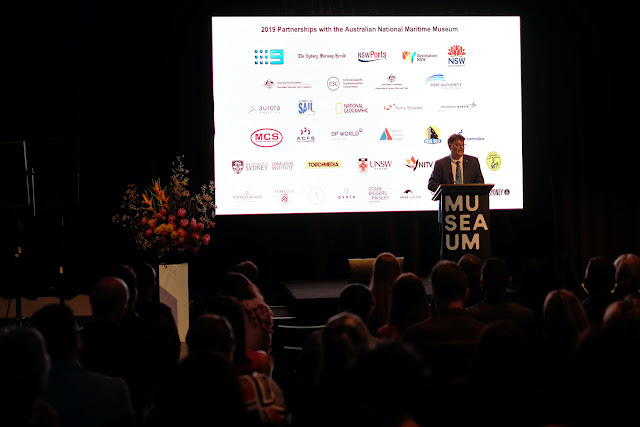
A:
(372, 56)
(268, 56)
(457, 56)
(432, 135)
(305, 136)
(438, 81)
(305, 107)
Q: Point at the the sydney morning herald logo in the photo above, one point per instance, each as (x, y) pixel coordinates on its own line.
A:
(268, 56)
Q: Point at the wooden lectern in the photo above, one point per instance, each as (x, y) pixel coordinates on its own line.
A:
(464, 220)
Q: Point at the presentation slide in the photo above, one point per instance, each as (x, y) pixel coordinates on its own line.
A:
(350, 113)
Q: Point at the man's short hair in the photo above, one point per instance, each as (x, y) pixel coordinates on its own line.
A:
(454, 138)
(449, 281)
(495, 275)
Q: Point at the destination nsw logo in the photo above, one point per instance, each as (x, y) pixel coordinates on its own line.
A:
(372, 56)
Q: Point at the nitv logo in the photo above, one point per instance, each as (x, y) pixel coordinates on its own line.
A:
(266, 138)
(269, 57)
(456, 56)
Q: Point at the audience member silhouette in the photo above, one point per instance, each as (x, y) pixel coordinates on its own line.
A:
(245, 361)
(606, 368)
(149, 307)
(472, 265)
(258, 315)
(333, 400)
(447, 340)
(500, 387)
(249, 269)
(599, 283)
(262, 396)
(564, 323)
(392, 385)
(356, 298)
(496, 305)
(150, 353)
(24, 368)
(534, 282)
(79, 396)
(386, 269)
(409, 305)
(627, 275)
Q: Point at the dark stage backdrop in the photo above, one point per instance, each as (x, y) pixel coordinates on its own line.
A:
(131, 81)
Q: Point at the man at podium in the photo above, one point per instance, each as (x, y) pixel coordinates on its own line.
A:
(457, 168)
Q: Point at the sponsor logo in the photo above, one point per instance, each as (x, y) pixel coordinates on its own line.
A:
(365, 164)
(499, 192)
(414, 164)
(372, 56)
(456, 56)
(409, 194)
(457, 107)
(268, 84)
(341, 135)
(395, 107)
(494, 161)
(432, 135)
(247, 196)
(362, 165)
(323, 164)
(409, 56)
(412, 57)
(237, 165)
(391, 83)
(268, 57)
(266, 138)
(377, 194)
(438, 81)
(346, 195)
(305, 108)
(333, 83)
(283, 196)
(316, 195)
(391, 134)
(322, 56)
(281, 166)
(305, 136)
(264, 109)
(351, 108)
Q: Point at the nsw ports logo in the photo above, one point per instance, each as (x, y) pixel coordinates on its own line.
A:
(266, 138)
(268, 56)
(372, 56)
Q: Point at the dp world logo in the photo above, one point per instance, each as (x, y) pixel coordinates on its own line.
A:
(456, 56)
(266, 138)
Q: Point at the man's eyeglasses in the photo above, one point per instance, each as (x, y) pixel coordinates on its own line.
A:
(458, 145)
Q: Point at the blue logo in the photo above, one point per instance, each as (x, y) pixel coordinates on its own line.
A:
(269, 57)
(435, 78)
(305, 107)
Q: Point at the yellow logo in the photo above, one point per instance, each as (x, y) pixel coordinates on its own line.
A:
(494, 161)
(323, 164)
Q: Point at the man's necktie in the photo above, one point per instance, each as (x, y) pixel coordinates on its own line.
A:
(458, 173)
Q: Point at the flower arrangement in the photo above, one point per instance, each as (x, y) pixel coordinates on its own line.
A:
(168, 223)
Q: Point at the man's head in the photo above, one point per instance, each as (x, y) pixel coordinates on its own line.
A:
(58, 327)
(213, 334)
(495, 278)
(449, 283)
(456, 145)
(600, 276)
(471, 265)
(109, 299)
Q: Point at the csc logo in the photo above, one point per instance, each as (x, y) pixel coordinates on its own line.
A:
(333, 83)
(266, 138)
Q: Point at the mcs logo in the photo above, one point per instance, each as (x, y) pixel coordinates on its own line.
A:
(269, 57)
(266, 138)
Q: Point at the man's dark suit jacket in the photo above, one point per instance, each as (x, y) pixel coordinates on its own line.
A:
(442, 173)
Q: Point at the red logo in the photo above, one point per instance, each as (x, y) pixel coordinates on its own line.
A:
(456, 50)
(266, 137)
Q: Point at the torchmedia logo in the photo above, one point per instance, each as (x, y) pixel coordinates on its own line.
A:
(494, 161)
(266, 138)
(268, 57)
(372, 56)
(456, 56)
(237, 165)
(432, 135)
